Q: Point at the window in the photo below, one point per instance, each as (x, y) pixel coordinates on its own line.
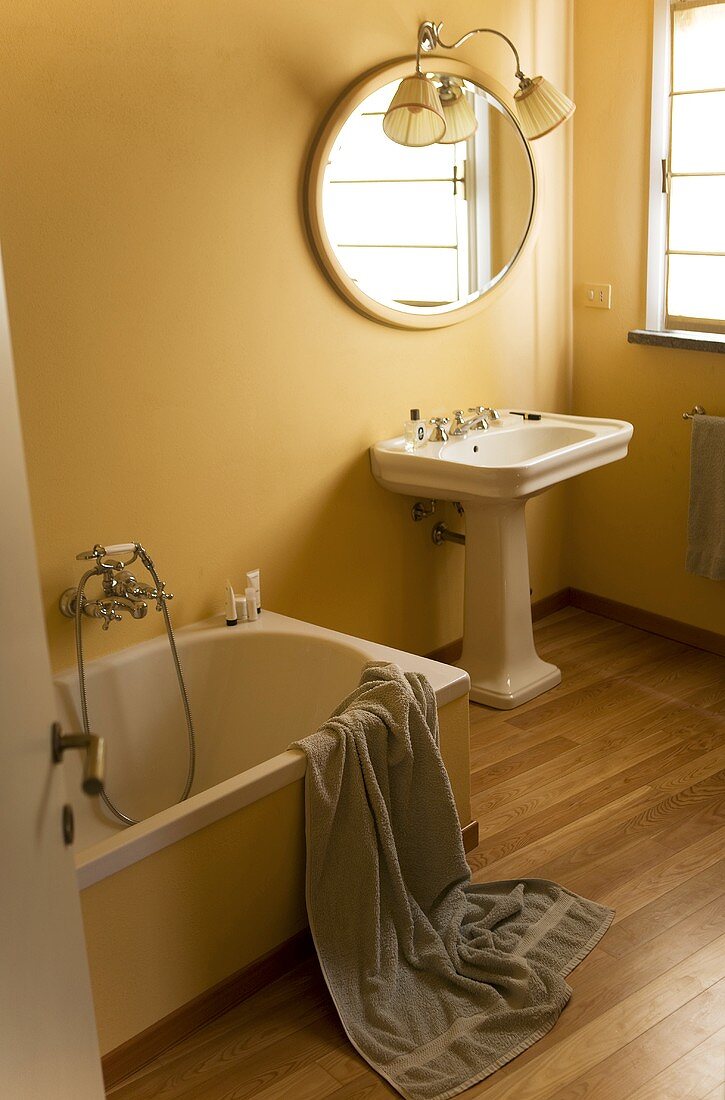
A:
(686, 283)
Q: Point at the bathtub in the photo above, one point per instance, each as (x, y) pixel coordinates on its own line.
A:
(196, 892)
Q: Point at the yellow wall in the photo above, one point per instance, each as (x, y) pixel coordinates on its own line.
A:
(631, 518)
(187, 376)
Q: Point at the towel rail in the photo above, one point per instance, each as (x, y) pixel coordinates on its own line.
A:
(696, 410)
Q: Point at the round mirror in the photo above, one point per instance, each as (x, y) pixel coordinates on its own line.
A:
(419, 237)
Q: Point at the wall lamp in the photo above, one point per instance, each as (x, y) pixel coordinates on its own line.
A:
(421, 113)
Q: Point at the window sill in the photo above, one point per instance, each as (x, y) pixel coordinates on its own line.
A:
(686, 341)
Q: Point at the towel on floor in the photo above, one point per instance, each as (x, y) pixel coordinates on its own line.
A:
(706, 521)
(438, 981)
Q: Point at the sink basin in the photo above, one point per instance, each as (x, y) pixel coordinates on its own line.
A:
(493, 473)
(515, 458)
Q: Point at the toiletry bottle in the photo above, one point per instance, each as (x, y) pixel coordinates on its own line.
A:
(253, 581)
(414, 432)
(231, 612)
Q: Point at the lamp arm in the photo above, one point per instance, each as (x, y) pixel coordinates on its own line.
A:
(429, 38)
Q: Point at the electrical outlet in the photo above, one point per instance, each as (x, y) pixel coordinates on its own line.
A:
(598, 295)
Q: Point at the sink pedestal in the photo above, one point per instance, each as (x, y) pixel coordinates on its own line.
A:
(498, 640)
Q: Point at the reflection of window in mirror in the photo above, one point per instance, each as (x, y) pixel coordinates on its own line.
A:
(411, 226)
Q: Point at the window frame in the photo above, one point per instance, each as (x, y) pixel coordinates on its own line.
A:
(657, 317)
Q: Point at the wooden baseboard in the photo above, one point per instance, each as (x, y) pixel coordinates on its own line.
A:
(448, 654)
(470, 836)
(143, 1048)
(694, 636)
(549, 605)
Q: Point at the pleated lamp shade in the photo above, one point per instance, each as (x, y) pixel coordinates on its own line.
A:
(415, 116)
(541, 107)
(460, 120)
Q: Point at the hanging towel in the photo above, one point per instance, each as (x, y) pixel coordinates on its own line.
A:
(438, 981)
(706, 522)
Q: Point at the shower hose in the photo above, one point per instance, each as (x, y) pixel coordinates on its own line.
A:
(108, 802)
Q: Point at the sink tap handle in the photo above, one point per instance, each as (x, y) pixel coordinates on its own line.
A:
(440, 425)
(492, 415)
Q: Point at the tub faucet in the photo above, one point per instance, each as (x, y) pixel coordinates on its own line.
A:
(122, 585)
(107, 608)
(121, 591)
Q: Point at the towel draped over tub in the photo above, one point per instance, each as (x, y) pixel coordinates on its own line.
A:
(438, 981)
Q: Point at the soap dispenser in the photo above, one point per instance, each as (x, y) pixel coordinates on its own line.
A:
(414, 431)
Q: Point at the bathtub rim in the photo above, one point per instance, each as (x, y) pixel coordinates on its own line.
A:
(127, 846)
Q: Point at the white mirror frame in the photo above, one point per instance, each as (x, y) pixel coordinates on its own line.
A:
(322, 146)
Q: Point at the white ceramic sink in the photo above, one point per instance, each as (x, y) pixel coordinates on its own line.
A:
(493, 473)
(513, 459)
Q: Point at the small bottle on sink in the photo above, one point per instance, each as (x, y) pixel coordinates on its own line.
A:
(414, 431)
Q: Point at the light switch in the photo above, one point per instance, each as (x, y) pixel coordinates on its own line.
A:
(598, 295)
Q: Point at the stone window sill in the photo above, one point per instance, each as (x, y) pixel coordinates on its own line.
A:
(686, 341)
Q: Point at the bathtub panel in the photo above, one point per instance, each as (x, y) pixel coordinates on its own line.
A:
(174, 924)
(455, 736)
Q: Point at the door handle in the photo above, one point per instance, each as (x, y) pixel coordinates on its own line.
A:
(95, 761)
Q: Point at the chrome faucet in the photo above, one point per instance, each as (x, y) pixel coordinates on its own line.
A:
(477, 422)
(121, 591)
(123, 586)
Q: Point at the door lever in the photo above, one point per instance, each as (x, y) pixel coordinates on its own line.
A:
(94, 763)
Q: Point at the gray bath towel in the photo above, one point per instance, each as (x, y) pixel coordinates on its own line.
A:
(437, 981)
(706, 522)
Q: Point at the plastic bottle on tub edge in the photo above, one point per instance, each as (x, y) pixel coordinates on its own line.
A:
(414, 431)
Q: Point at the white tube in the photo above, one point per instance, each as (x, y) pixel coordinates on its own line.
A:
(251, 603)
(232, 619)
(254, 582)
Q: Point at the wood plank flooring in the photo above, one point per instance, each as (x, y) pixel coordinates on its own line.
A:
(612, 784)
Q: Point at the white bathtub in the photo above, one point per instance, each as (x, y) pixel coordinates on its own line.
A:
(253, 689)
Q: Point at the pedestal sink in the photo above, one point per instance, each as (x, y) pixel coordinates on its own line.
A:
(493, 473)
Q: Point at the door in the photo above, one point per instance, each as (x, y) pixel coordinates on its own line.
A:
(48, 1041)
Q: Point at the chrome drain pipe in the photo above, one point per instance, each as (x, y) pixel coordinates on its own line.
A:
(441, 534)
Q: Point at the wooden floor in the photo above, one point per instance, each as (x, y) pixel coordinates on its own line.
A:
(612, 784)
